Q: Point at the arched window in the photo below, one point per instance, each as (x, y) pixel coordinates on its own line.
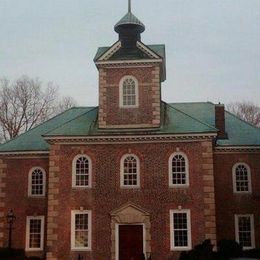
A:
(178, 170)
(81, 171)
(37, 182)
(241, 178)
(128, 88)
(130, 171)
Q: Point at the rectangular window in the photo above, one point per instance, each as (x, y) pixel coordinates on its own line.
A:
(180, 230)
(244, 228)
(81, 230)
(34, 233)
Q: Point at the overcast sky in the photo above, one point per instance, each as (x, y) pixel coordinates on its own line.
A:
(212, 46)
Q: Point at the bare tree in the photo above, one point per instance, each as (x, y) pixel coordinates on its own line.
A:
(247, 111)
(25, 104)
(64, 104)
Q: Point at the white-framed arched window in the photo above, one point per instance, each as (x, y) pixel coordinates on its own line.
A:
(130, 171)
(128, 92)
(37, 182)
(81, 171)
(178, 170)
(241, 175)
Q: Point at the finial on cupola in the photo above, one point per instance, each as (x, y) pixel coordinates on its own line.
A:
(129, 6)
(129, 29)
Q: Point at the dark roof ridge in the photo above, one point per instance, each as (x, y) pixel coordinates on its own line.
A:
(37, 126)
(191, 116)
(70, 120)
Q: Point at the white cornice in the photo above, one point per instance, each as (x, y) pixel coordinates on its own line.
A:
(119, 62)
(113, 49)
(128, 139)
(27, 154)
(237, 149)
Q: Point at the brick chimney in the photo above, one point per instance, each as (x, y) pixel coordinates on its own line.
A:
(220, 120)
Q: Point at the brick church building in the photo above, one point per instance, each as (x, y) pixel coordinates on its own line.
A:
(134, 177)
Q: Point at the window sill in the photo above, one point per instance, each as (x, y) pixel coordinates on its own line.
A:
(33, 249)
(81, 188)
(181, 249)
(180, 186)
(127, 107)
(37, 197)
(80, 249)
(242, 192)
(130, 187)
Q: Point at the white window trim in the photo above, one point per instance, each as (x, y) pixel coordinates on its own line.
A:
(184, 248)
(27, 239)
(30, 183)
(73, 213)
(252, 229)
(122, 172)
(121, 103)
(74, 172)
(234, 178)
(187, 184)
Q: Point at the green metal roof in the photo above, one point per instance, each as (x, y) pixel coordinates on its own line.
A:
(129, 18)
(240, 133)
(177, 118)
(32, 140)
(100, 52)
(174, 122)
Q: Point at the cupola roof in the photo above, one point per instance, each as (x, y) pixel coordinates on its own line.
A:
(130, 19)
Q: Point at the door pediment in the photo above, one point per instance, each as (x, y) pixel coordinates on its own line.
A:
(130, 213)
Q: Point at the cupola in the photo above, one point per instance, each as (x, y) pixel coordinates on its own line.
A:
(130, 76)
(129, 29)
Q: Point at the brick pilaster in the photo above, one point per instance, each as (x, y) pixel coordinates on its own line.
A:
(53, 202)
(156, 97)
(2, 200)
(209, 193)
(102, 98)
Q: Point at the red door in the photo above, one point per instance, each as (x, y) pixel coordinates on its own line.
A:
(131, 242)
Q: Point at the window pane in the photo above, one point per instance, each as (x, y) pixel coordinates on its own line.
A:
(129, 92)
(37, 182)
(180, 229)
(241, 174)
(178, 170)
(35, 233)
(244, 231)
(82, 172)
(130, 171)
(81, 230)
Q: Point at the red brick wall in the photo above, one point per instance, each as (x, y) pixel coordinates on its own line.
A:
(148, 112)
(17, 197)
(227, 203)
(154, 195)
(106, 195)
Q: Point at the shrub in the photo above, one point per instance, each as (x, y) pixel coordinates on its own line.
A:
(229, 248)
(11, 254)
